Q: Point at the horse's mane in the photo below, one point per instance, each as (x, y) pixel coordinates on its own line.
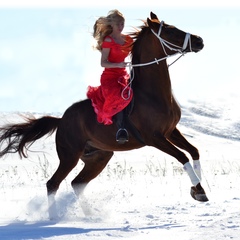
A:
(137, 35)
(138, 30)
(141, 29)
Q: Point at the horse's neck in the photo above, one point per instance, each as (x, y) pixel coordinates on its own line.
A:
(155, 81)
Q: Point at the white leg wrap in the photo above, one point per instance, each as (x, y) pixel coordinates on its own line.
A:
(189, 169)
(197, 168)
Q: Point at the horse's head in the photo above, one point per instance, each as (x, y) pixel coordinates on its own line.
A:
(172, 39)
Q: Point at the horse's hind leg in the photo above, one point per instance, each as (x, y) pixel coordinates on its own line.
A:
(68, 160)
(95, 161)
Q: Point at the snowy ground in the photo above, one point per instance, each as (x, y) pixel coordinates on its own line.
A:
(141, 194)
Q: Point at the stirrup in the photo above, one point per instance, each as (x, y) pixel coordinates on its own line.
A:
(122, 136)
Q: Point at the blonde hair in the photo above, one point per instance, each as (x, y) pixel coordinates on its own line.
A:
(103, 28)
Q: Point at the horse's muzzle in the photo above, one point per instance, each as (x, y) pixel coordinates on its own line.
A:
(197, 44)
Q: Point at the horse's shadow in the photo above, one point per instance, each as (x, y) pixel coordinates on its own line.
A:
(47, 229)
(24, 230)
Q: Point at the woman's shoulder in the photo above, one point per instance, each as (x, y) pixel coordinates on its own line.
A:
(107, 42)
(128, 39)
(108, 39)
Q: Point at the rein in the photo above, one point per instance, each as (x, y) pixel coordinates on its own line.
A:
(165, 44)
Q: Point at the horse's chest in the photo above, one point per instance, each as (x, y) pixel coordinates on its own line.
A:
(169, 118)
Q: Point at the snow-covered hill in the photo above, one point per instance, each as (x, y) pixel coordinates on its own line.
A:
(141, 194)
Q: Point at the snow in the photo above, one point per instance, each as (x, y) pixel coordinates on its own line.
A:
(141, 194)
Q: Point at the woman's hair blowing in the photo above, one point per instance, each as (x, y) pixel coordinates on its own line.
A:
(103, 26)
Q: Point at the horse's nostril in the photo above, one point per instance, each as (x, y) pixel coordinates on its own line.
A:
(198, 44)
(200, 41)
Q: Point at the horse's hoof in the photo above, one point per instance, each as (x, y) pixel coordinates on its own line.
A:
(198, 195)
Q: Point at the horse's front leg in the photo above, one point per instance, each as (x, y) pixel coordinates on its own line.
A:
(163, 144)
(180, 141)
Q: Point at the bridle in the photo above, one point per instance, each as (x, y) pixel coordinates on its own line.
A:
(165, 45)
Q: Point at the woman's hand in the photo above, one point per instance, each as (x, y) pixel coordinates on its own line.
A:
(122, 64)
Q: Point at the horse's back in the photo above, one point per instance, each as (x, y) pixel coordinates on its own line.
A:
(77, 107)
(74, 120)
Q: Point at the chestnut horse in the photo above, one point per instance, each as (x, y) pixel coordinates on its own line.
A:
(151, 121)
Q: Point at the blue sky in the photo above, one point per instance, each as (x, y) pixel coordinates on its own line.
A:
(47, 60)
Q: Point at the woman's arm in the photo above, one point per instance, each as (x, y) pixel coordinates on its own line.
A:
(106, 64)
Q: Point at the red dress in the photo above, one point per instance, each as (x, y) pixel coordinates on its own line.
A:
(109, 98)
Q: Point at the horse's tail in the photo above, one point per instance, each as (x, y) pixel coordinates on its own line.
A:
(17, 137)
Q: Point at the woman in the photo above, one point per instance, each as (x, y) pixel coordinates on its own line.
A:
(113, 95)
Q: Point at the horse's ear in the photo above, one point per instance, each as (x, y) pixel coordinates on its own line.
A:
(153, 16)
(151, 24)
